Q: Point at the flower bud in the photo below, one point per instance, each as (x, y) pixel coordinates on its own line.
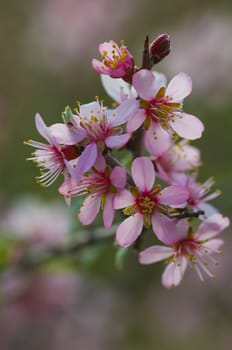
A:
(159, 48)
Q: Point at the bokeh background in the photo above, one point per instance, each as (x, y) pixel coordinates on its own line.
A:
(86, 303)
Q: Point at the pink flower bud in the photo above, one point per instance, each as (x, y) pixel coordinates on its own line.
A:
(160, 48)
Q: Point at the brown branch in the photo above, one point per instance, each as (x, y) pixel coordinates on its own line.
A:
(146, 64)
(186, 214)
(136, 142)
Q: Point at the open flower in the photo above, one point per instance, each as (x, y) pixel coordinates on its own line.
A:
(172, 163)
(99, 130)
(193, 249)
(99, 186)
(198, 193)
(162, 106)
(146, 205)
(117, 62)
(51, 157)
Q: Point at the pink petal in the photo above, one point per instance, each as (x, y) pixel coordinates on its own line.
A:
(154, 254)
(145, 84)
(174, 272)
(86, 160)
(123, 199)
(163, 175)
(214, 246)
(108, 211)
(63, 135)
(174, 196)
(179, 87)
(100, 67)
(129, 230)
(165, 229)
(136, 120)
(100, 163)
(143, 173)
(118, 177)
(182, 226)
(192, 158)
(157, 140)
(122, 113)
(107, 46)
(89, 209)
(117, 141)
(212, 226)
(65, 189)
(187, 125)
(42, 128)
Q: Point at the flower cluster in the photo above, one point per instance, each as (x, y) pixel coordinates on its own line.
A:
(148, 121)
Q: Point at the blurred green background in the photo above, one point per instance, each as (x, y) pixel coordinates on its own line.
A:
(45, 64)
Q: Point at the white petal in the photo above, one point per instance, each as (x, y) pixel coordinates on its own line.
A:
(117, 89)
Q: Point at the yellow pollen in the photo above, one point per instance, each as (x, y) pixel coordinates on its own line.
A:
(146, 205)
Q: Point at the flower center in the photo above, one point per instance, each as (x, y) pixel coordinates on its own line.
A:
(161, 107)
(187, 247)
(95, 126)
(115, 57)
(145, 204)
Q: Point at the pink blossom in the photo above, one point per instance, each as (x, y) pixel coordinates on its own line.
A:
(117, 62)
(198, 193)
(97, 129)
(51, 157)
(99, 186)
(145, 205)
(172, 163)
(193, 249)
(162, 107)
(39, 224)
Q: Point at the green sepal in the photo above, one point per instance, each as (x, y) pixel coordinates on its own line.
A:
(67, 115)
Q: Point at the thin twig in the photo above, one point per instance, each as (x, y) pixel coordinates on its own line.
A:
(146, 55)
(185, 214)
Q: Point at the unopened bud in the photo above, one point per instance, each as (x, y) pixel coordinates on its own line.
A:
(159, 48)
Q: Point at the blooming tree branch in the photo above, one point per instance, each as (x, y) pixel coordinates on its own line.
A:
(149, 122)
